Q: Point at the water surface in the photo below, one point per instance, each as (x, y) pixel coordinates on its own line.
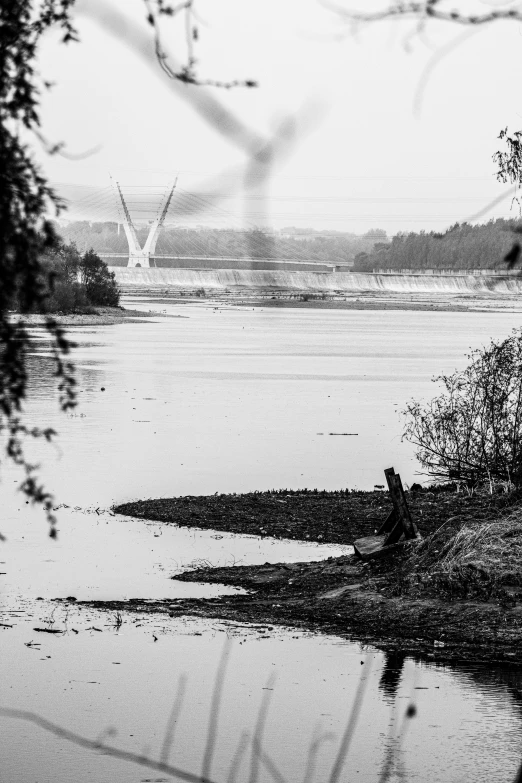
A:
(227, 399)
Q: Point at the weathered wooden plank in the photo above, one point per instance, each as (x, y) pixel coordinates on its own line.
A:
(395, 534)
(399, 503)
(389, 523)
(371, 547)
(396, 529)
(365, 547)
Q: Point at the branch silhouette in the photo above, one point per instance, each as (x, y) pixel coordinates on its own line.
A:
(101, 747)
(430, 9)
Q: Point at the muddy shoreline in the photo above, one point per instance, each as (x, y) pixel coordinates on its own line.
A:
(328, 517)
(350, 301)
(340, 595)
(471, 632)
(104, 316)
(356, 303)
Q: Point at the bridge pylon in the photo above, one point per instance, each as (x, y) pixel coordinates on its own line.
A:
(140, 256)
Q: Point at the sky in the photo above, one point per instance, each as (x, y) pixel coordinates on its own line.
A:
(383, 126)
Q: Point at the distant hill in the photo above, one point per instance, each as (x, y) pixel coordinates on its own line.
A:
(460, 247)
(335, 248)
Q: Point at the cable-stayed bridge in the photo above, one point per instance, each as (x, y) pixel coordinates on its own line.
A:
(140, 256)
(150, 226)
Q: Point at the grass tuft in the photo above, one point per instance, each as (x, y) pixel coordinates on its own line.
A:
(475, 561)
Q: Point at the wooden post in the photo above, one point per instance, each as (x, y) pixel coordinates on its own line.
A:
(399, 504)
(397, 526)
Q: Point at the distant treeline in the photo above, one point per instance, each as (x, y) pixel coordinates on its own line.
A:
(336, 248)
(73, 282)
(460, 247)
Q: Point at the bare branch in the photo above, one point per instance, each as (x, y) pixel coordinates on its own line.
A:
(435, 59)
(214, 710)
(184, 73)
(170, 729)
(498, 200)
(101, 747)
(260, 726)
(209, 108)
(238, 757)
(424, 10)
(346, 739)
(59, 148)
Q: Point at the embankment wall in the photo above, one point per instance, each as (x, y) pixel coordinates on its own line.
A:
(236, 280)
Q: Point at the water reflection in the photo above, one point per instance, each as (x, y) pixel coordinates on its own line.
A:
(237, 402)
(227, 401)
(391, 674)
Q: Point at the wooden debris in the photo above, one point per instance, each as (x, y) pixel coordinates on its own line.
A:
(397, 528)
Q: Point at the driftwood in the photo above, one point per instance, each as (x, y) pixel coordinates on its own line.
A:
(397, 528)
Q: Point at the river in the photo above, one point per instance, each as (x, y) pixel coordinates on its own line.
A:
(227, 399)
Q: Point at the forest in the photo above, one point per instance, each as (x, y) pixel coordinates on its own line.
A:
(334, 247)
(462, 246)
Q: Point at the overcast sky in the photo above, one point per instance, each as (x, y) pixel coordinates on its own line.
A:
(393, 128)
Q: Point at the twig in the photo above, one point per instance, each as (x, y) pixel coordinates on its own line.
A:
(214, 711)
(270, 765)
(258, 732)
(238, 757)
(434, 60)
(424, 10)
(352, 721)
(312, 753)
(109, 750)
(173, 718)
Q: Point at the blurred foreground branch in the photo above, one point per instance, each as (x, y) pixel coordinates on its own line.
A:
(441, 10)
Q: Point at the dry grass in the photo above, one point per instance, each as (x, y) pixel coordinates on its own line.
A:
(477, 560)
(493, 548)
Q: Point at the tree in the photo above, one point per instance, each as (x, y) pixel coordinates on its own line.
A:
(472, 433)
(76, 283)
(463, 14)
(25, 234)
(100, 284)
(25, 196)
(60, 276)
(510, 170)
(460, 247)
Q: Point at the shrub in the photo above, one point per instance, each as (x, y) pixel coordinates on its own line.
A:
(100, 284)
(58, 281)
(66, 297)
(75, 283)
(473, 431)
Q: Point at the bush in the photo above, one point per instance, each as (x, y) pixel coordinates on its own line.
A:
(66, 297)
(75, 283)
(100, 284)
(473, 431)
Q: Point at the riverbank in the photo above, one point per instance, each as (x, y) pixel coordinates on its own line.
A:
(358, 303)
(312, 515)
(355, 301)
(305, 302)
(378, 602)
(101, 316)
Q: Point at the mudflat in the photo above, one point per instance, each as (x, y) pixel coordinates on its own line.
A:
(101, 316)
(372, 602)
